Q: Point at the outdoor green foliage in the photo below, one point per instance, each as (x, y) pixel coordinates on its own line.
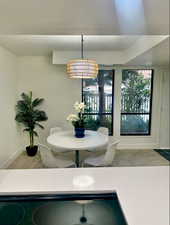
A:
(134, 124)
(97, 102)
(136, 92)
(94, 122)
(91, 122)
(28, 114)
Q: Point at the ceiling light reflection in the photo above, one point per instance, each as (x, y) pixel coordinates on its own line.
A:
(83, 181)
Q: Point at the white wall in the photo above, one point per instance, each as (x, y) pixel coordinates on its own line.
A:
(9, 144)
(140, 142)
(52, 83)
(165, 111)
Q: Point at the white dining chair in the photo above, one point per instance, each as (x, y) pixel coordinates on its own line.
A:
(51, 161)
(103, 130)
(55, 130)
(104, 159)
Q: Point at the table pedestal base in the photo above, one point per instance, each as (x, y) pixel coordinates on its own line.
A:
(77, 158)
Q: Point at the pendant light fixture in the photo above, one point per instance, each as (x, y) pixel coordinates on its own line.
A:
(82, 68)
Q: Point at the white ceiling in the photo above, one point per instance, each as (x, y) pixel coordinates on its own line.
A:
(132, 50)
(45, 44)
(84, 16)
(158, 55)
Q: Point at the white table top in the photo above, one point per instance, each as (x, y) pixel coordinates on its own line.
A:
(67, 140)
(143, 191)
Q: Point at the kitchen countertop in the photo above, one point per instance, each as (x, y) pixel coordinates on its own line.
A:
(143, 192)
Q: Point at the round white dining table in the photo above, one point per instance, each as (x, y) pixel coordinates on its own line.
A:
(66, 140)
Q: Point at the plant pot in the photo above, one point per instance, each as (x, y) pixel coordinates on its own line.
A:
(32, 151)
(79, 132)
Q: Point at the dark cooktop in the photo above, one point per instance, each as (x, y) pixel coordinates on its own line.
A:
(77, 209)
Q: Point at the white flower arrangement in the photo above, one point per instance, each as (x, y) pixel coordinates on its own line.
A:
(72, 118)
(78, 120)
(79, 107)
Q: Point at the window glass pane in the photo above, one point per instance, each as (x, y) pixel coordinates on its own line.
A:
(136, 100)
(136, 91)
(135, 124)
(93, 122)
(107, 90)
(97, 94)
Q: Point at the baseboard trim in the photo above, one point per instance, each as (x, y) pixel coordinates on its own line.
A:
(138, 146)
(164, 148)
(10, 159)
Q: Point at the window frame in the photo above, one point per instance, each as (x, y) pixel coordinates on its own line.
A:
(112, 109)
(150, 109)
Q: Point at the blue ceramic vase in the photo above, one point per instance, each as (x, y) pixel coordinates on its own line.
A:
(79, 132)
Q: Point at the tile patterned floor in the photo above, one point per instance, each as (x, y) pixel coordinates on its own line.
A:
(123, 158)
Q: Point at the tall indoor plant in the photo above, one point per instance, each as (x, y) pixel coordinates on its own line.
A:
(28, 115)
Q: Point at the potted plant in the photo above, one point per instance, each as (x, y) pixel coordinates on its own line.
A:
(78, 120)
(30, 117)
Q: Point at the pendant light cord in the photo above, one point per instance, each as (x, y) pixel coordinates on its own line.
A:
(82, 53)
(82, 56)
